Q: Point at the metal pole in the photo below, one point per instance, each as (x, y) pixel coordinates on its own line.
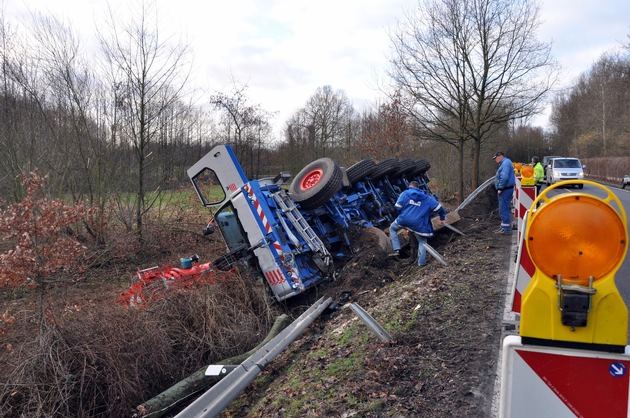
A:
(219, 396)
(435, 254)
(371, 323)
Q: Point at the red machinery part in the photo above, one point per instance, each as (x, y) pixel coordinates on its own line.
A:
(151, 284)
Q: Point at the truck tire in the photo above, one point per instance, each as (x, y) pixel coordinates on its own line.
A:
(407, 165)
(422, 166)
(316, 183)
(384, 168)
(360, 170)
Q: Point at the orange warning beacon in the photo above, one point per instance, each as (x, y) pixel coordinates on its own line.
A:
(577, 241)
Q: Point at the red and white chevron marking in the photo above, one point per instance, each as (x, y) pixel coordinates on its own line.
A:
(274, 277)
(555, 382)
(256, 204)
(517, 188)
(526, 197)
(524, 271)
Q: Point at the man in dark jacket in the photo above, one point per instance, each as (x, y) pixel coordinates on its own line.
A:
(504, 183)
(415, 208)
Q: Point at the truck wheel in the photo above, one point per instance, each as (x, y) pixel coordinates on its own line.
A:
(422, 166)
(406, 166)
(385, 167)
(360, 170)
(316, 183)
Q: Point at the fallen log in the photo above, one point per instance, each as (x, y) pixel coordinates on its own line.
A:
(198, 381)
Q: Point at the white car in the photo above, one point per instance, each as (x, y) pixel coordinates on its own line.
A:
(625, 181)
(561, 169)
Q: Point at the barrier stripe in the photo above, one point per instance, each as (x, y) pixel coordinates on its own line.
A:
(517, 188)
(539, 381)
(274, 277)
(523, 273)
(258, 207)
(526, 198)
(525, 268)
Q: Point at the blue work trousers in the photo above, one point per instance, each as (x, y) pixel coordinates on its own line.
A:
(393, 236)
(505, 202)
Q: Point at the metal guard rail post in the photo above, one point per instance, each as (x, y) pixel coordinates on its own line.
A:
(219, 396)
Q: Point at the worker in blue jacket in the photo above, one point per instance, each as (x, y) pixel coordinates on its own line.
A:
(504, 183)
(415, 209)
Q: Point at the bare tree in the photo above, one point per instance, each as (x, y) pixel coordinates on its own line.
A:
(591, 118)
(385, 132)
(148, 74)
(247, 125)
(9, 108)
(325, 126)
(299, 144)
(466, 67)
(327, 112)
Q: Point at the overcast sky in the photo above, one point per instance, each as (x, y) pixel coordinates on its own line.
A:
(285, 49)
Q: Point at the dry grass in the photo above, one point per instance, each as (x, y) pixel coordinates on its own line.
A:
(102, 360)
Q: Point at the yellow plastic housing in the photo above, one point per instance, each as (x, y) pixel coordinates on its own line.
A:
(576, 235)
(527, 173)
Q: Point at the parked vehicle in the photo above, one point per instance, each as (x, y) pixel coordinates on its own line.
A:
(625, 181)
(561, 169)
(546, 160)
(296, 237)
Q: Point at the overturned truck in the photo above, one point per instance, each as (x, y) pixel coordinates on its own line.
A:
(297, 234)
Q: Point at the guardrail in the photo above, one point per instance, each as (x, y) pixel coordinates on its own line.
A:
(219, 396)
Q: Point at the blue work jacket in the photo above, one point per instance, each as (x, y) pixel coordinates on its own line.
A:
(416, 208)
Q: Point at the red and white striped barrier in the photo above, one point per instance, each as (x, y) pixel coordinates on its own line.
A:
(523, 272)
(526, 197)
(525, 268)
(517, 189)
(554, 382)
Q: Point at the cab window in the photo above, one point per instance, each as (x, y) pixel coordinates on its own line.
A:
(227, 220)
(208, 187)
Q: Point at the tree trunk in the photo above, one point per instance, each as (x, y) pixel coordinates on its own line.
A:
(460, 171)
(474, 177)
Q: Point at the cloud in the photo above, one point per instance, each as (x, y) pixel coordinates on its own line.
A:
(285, 49)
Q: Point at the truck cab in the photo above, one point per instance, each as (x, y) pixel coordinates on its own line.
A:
(260, 223)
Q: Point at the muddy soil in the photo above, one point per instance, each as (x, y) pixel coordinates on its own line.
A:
(445, 324)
